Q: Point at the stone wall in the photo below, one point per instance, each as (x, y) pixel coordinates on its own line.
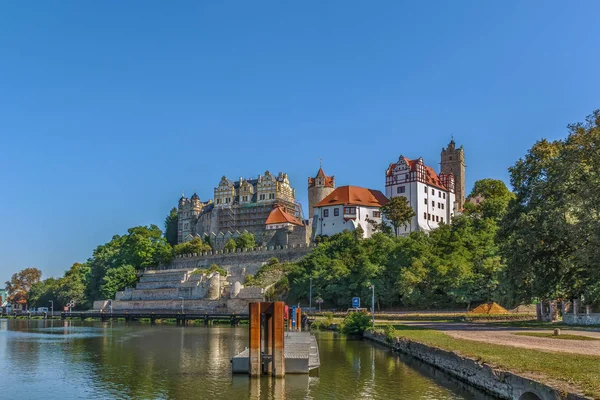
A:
(581, 319)
(503, 384)
(248, 261)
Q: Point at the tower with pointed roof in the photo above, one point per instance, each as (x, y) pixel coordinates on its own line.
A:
(453, 162)
(319, 187)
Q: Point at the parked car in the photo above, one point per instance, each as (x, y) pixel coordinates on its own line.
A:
(42, 309)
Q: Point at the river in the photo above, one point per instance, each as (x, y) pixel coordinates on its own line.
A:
(116, 360)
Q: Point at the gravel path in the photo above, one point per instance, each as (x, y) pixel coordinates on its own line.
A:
(506, 336)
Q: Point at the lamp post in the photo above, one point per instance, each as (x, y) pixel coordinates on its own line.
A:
(373, 303)
(181, 304)
(310, 296)
(51, 308)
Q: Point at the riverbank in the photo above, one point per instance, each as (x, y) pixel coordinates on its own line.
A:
(571, 376)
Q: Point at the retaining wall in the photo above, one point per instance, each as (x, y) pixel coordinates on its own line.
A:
(238, 306)
(581, 319)
(503, 384)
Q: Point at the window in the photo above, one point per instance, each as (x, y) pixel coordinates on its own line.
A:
(444, 195)
(406, 176)
(245, 198)
(218, 201)
(433, 191)
(262, 197)
(433, 204)
(376, 214)
(437, 218)
(349, 210)
(425, 189)
(271, 196)
(400, 189)
(325, 213)
(425, 201)
(442, 219)
(424, 215)
(439, 193)
(227, 200)
(428, 217)
(336, 212)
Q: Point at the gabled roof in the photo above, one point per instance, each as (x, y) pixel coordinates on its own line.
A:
(354, 196)
(431, 177)
(327, 180)
(279, 216)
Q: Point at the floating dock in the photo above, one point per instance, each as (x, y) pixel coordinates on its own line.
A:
(301, 355)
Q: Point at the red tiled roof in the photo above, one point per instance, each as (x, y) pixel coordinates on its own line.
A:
(354, 195)
(279, 216)
(431, 177)
(328, 180)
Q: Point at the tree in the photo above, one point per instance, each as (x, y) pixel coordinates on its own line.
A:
(196, 245)
(171, 227)
(230, 245)
(550, 234)
(496, 197)
(398, 212)
(117, 279)
(20, 284)
(245, 241)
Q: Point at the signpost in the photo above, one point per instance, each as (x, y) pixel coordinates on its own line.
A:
(294, 317)
(356, 302)
(70, 304)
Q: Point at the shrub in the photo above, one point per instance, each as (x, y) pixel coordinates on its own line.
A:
(356, 323)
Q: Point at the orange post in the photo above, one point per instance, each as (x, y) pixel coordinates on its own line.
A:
(299, 319)
(254, 358)
(278, 339)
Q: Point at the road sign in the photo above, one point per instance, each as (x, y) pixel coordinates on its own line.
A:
(356, 302)
(294, 317)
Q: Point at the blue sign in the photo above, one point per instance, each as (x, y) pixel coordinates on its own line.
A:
(356, 302)
(293, 316)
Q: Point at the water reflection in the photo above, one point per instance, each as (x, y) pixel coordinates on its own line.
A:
(68, 360)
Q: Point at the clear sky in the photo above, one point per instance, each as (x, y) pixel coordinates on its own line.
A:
(108, 109)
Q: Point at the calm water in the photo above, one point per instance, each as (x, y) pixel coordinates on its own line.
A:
(74, 360)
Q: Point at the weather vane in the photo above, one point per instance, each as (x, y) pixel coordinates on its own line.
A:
(320, 162)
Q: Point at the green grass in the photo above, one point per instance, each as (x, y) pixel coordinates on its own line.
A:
(574, 369)
(552, 336)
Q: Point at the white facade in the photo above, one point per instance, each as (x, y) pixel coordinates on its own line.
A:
(329, 220)
(430, 196)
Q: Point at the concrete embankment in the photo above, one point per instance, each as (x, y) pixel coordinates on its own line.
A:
(500, 383)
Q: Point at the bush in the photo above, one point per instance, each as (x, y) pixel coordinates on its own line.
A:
(208, 271)
(356, 323)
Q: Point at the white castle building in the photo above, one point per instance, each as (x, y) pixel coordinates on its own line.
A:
(347, 208)
(431, 196)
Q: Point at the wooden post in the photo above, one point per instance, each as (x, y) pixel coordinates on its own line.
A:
(254, 348)
(278, 339)
(268, 342)
(299, 319)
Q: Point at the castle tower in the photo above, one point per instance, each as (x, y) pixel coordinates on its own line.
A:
(319, 187)
(196, 205)
(453, 162)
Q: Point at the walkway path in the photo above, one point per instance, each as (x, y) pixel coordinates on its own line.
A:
(506, 336)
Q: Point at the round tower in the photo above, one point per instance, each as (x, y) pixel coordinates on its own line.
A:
(453, 162)
(319, 187)
(196, 204)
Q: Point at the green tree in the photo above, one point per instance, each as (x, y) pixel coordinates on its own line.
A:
(398, 212)
(230, 245)
(171, 227)
(496, 198)
(196, 245)
(550, 234)
(117, 279)
(245, 241)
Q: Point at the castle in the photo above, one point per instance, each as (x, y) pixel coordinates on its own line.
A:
(265, 206)
(435, 199)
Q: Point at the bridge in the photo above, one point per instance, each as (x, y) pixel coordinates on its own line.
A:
(181, 318)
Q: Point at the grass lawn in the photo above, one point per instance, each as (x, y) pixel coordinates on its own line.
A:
(552, 336)
(582, 371)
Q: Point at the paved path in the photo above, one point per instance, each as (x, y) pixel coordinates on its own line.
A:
(506, 336)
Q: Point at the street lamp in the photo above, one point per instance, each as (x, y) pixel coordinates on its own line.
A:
(310, 296)
(373, 304)
(181, 304)
(51, 308)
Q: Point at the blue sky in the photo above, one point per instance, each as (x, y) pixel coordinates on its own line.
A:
(109, 109)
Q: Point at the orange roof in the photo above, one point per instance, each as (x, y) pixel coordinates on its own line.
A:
(279, 216)
(328, 180)
(431, 177)
(355, 196)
